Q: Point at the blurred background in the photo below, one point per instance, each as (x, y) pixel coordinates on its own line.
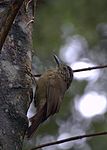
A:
(77, 32)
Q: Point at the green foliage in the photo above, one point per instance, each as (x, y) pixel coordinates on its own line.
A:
(50, 18)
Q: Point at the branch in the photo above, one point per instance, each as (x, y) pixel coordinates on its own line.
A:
(70, 139)
(83, 69)
(90, 68)
(8, 18)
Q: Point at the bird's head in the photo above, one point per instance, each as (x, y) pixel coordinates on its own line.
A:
(65, 71)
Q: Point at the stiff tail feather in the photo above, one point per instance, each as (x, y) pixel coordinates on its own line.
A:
(36, 120)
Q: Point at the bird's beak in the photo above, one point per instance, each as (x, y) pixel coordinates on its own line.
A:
(58, 61)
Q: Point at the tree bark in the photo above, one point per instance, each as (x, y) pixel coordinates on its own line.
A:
(15, 83)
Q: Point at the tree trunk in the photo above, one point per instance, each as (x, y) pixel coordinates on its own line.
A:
(15, 83)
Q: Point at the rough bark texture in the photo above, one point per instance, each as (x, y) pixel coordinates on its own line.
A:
(7, 16)
(15, 82)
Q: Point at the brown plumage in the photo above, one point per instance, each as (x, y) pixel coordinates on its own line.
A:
(50, 91)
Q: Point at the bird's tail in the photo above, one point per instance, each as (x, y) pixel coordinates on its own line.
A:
(36, 120)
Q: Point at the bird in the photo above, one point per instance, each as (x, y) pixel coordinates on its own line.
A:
(49, 94)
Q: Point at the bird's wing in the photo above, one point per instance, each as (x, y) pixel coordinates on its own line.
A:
(54, 97)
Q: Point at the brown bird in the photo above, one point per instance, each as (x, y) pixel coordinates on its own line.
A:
(50, 90)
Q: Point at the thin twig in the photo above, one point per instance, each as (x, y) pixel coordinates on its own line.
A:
(90, 68)
(70, 139)
(83, 69)
(31, 21)
(27, 4)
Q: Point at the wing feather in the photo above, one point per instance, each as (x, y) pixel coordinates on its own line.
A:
(54, 97)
